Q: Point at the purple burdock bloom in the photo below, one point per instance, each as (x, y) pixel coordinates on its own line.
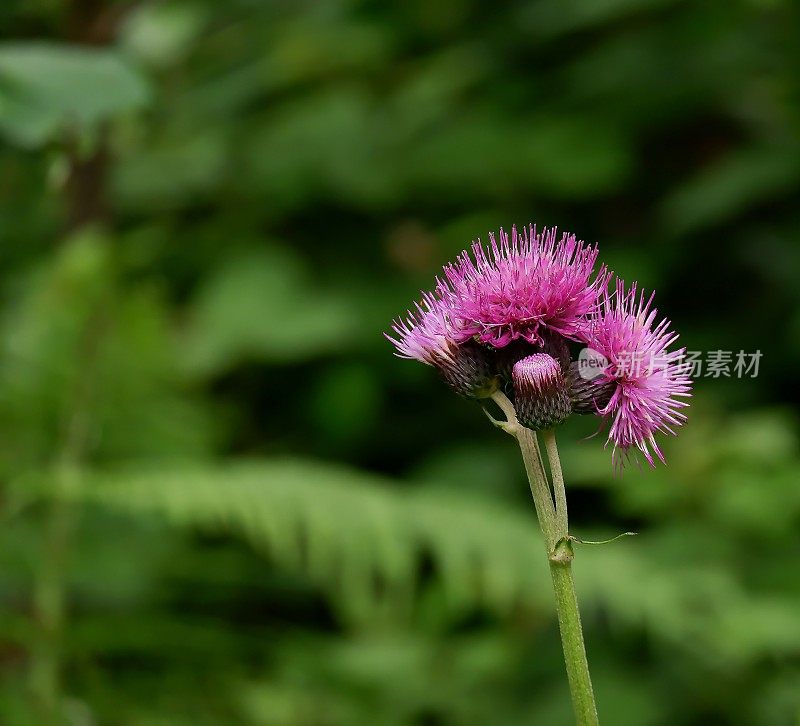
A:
(522, 287)
(650, 380)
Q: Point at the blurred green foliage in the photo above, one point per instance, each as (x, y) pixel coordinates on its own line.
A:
(223, 499)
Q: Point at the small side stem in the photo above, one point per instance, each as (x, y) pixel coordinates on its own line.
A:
(534, 466)
(559, 489)
(540, 489)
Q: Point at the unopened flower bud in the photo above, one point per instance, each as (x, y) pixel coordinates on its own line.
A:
(540, 392)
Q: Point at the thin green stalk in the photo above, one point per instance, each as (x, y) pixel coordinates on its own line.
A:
(560, 491)
(551, 509)
(569, 623)
(534, 466)
(540, 489)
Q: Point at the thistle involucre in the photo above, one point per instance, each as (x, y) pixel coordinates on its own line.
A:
(426, 335)
(517, 304)
(540, 392)
(589, 395)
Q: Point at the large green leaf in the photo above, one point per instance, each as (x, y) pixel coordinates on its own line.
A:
(47, 86)
(264, 306)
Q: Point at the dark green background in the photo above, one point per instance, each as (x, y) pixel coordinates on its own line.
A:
(225, 501)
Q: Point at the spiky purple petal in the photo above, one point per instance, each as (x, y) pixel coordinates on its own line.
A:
(520, 287)
(651, 380)
(426, 333)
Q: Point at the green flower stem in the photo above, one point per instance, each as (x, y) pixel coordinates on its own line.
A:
(559, 490)
(537, 479)
(551, 509)
(540, 490)
(569, 623)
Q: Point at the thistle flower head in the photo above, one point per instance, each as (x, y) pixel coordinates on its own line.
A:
(426, 335)
(504, 314)
(520, 287)
(649, 380)
(589, 394)
(540, 393)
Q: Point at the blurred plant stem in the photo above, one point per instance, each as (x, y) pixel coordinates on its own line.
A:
(551, 509)
(48, 603)
(90, 22)
(87, 22)
(49, 591)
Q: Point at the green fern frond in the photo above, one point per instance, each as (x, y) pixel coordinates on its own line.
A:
(351, 533)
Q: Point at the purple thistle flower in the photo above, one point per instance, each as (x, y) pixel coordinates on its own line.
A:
(426, 335)
(519, 288)
(650, 380)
